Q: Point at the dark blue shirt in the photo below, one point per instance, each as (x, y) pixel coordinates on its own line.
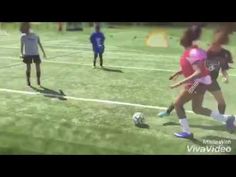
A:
(97, 39)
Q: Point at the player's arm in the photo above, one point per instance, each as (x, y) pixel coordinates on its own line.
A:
(175, 75)
(103, 38)
(225, 67)
(91, 38)
(225, 76)
(195, 75)
(21, 47)
(41, 47)
(230, 58)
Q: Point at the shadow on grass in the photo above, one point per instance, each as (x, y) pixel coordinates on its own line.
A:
(206, 127)
(170, 124)
(196, 141)
(50, 93)
(143, 126)
(112, 70)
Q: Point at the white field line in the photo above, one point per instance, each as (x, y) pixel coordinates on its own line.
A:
(11, 66)
(85, 99)
(112, 66)
(115, 53)
(112, 52)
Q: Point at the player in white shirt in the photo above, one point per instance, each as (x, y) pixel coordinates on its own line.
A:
(29, 51)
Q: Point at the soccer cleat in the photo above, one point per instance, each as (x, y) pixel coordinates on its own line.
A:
(184, 135)
(163, 114)
(230, 124)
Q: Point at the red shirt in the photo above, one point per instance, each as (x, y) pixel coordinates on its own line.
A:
(190, 57)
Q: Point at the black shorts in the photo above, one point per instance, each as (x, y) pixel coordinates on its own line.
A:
(196, 89)
(214, 86)
(28, 59)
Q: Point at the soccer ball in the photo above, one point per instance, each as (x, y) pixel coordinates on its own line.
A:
(138, 118)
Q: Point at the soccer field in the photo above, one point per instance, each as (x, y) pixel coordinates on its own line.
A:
(81, 110)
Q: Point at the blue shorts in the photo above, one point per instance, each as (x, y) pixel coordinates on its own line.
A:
(98, 50)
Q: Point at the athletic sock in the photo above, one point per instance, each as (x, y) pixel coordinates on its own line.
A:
(219, 117)
(184, 125)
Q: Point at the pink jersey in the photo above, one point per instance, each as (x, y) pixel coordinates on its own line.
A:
(192, 56)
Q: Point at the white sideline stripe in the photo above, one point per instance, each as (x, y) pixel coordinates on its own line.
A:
(83, 56)
(108, 52)
(112, 66)
(12, 65)
(86, 99)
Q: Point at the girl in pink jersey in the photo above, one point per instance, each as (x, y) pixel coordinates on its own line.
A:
(218, 59)
(197, 79)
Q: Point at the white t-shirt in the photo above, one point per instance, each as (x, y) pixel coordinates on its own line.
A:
(30, 42)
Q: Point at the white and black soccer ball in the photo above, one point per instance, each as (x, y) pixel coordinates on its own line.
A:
(138, 118)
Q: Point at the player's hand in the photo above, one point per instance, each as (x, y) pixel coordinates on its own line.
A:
(171, 77)
(176, 85)
(225, 80)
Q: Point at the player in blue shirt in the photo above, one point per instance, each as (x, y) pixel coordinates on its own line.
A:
(97, 39)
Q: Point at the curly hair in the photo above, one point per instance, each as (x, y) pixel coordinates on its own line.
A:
(191, 34)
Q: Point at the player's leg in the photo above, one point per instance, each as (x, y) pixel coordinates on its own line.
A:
(38, 72)
(95, 59)
(199, 109)
(37, 62)
(28, 60)
(215, 90)
(183, 98)
(28, 71)
(220, 100)
(197, 105)
(168, 111)
(101, 59)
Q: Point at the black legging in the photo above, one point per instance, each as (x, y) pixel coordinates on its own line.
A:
(95, 58)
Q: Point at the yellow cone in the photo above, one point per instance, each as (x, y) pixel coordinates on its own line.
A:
(157, 38)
